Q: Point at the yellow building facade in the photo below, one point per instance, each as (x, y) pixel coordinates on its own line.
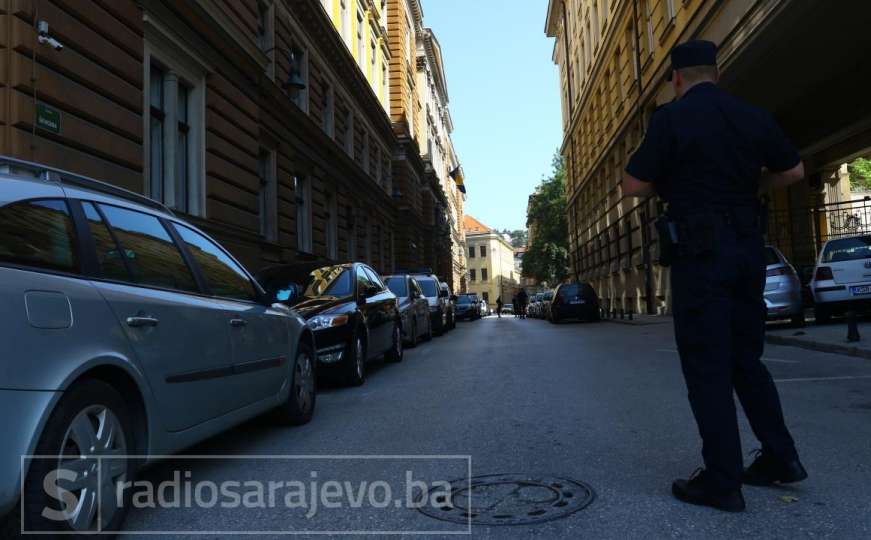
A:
(613, 58)
(490, 260)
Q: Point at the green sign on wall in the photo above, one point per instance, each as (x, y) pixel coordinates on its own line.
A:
(47, 118)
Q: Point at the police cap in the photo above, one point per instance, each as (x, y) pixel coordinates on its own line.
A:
(697, 52)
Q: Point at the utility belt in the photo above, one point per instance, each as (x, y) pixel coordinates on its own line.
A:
(697, 234)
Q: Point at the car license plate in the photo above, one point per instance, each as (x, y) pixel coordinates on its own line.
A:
(860, 289)
(576, 301)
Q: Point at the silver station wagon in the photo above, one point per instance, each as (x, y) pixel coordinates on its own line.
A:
(125, 332)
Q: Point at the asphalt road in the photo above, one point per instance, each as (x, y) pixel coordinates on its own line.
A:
(600, 403)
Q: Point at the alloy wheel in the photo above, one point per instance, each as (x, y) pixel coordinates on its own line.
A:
(304, 382)
(94, 434)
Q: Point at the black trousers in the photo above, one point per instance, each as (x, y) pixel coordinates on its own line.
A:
(719, 319)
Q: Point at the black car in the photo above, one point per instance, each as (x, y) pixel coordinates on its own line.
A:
(354, 316)
(574, 301)
(413, 308)
(468, 307)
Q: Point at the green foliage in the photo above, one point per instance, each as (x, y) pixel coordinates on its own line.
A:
(518, 237)
(860, 174)
(547, 257)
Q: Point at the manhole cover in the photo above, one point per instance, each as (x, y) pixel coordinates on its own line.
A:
(511, 499)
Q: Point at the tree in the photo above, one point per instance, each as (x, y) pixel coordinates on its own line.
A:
(860, 174)
(518, 237)
(547, 257)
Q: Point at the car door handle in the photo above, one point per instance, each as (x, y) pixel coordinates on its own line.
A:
(238, 323)
(141, 321)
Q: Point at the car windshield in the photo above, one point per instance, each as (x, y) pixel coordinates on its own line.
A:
(429, 286)
(847, 249)
(463, 299)
(572, 289)
(771, 256)
(398, 286)
(329, 281)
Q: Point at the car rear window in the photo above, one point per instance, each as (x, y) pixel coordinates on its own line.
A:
(771, 256)
(847, 249)
(429, 286)
(39, 234)
(463, 299)
(572, 289)
(398, 286)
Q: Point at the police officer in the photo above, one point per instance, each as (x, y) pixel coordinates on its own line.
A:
(709, 156)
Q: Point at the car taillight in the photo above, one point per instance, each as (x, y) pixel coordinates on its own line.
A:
(823, 273)
(776, 272)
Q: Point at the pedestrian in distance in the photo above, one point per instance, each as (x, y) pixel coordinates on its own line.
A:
(514, 306)
(709, 156)
(522, 299)
(499, 307)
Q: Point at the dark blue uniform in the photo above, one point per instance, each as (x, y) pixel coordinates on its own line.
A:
(704, 154)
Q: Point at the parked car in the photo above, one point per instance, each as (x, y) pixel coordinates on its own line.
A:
(842, 278)
(413, 308)
(544, 308)
(450, 305)
(468, 307)
(574, 301)
(354, 316)
(534, 308)
(438, 302)
(783, 290)
(126, 331)
(508, 309)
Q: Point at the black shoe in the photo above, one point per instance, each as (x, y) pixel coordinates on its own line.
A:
(694, 491)
(767, 470)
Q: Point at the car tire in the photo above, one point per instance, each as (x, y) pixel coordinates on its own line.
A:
(85, 410)
(415, 337)
(428, 335)
(302, 397)
(595, 317)
(355, 366)
(797, 320)
(396, 352)
(439, 330)
(822, 315)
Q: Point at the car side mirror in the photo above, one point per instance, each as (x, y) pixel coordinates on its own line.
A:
(289, 295)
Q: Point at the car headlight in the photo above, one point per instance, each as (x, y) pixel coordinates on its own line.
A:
(319, 322)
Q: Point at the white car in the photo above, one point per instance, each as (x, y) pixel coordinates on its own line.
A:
(842, 278)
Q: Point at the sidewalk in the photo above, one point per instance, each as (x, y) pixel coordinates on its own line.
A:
(831, 338)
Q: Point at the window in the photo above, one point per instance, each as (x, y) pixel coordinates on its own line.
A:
(109, 257)
(483, 274)
(471, 252)
(408, 39)
(266, 34)
(378, 176)
(374, 279)
(268, 195)
(373, 60)
(38, 234)
(328, 120)
(362, 280)
(471, 274)
(361, 42)
(349, 133)
(345, 20)
(668, 12)
(332, 227)
(647, 13)
(149, 252)
(223, 276)
(385, 87)
(175, 118)
(302, 194)
(398, 286)
(483, 251)
(366, 157)
(352, 233)
(300, 58)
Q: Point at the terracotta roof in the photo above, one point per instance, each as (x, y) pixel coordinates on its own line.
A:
(472, 225)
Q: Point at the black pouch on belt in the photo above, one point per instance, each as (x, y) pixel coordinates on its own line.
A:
(667, 240)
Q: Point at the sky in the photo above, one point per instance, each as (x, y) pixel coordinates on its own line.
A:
(504, 100)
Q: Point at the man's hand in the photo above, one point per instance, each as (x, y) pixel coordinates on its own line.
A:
(633, 187)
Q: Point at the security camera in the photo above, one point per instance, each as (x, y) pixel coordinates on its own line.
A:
(45, 38)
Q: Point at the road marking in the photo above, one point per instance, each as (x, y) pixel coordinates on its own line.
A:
(822, 379)
(764, 358)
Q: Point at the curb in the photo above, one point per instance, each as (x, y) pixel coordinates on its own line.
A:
(847, 350)
(639, 322)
